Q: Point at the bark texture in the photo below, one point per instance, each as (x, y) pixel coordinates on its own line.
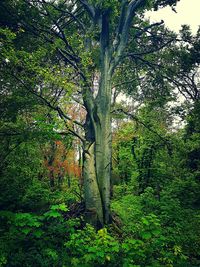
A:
(97, 159)
(97, 147)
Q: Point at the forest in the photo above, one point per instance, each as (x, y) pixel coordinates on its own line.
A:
(99, 135)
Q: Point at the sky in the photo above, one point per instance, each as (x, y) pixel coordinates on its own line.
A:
(188, 12)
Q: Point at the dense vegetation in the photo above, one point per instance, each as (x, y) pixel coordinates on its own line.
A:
(79, 80)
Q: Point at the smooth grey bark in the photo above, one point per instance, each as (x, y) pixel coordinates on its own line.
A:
(104, 137)
(94, 211)
(97, 147)
(97, 157)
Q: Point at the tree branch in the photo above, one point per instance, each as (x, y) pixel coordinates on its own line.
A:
(127, 82)
(139, 33)
(47, 103)
(89, 8)
(149, 51)
(72, 15)
(126, 17)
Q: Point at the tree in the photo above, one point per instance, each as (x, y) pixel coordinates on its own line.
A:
(92, 40)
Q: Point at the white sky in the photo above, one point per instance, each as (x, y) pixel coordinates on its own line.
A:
(188, 12)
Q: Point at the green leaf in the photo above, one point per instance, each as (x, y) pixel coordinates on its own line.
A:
(156, 232)
(61, 207)
(52, 214)
(38, 233)
(26, 230)
(146, 235)
(145, 221)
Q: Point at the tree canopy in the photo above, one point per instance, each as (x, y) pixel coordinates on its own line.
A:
(99, 135)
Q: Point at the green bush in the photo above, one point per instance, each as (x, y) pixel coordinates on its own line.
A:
(90, 248)
(34, 240)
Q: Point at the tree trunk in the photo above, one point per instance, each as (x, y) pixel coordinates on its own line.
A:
(103, 164)
(97, 154)
(103, 141)
(97, 163)
(97, 172)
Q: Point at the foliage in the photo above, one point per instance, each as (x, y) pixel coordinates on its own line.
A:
(51, 54)
(29, 238)
(88, 248)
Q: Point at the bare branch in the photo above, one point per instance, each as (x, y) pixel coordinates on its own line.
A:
(139, 33)
(127, 82)
(151, 51)
(124, 27)
(64, 11)
(90, 9)
(64, 55)
(49, 104)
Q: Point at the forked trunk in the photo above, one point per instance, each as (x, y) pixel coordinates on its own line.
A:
(97, 157)
(97, 163)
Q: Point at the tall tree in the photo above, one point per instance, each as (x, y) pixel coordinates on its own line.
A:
(92, 39)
